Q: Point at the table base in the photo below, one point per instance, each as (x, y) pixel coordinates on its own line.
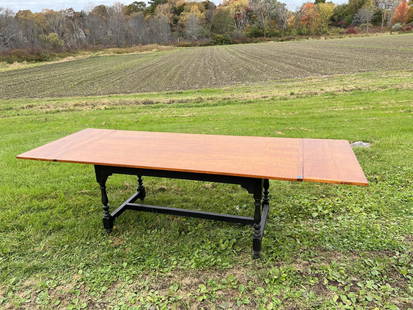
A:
(259, 188)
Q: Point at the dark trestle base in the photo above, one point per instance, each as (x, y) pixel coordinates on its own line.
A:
(259, 188)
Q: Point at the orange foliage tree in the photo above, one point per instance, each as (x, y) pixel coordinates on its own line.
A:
(401, 13)
(309, 18)
(410, 13)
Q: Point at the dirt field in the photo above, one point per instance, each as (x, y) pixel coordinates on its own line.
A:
(203, 67)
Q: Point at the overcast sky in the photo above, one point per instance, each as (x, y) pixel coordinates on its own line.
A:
(38, 5)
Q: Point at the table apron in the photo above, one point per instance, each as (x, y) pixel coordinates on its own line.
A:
(250, 184)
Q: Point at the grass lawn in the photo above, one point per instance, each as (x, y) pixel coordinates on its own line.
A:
(326, 246)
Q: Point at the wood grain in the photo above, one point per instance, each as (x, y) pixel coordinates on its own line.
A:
(330, 161)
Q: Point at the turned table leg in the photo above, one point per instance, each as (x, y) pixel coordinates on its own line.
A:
(141, 189)
(257, 236)
(262, 205)
(107, 217)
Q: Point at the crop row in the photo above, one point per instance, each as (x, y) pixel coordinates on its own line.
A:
(204, 67)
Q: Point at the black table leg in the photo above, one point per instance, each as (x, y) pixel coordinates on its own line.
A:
(257, 237)
(266, 198)
(260, 217)
(107, 217)
(141, 189)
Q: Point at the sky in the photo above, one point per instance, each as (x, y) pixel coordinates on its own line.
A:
(38, 5)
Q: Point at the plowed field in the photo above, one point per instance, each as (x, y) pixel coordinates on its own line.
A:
(204, 67)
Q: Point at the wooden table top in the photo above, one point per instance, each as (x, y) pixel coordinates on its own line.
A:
(313, 160)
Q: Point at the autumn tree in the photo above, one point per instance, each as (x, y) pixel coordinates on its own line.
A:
(167, 9)
(239, 10)
(308, 18)
(401, 13)
(208, 8)
(168, 21)
(410, 13)
(325, 12)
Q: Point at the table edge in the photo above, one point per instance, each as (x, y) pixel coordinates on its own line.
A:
(298, 179)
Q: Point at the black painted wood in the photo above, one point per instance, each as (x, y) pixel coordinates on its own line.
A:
(191, 213)
(259, 188)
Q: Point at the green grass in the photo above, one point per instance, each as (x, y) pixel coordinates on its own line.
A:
(326, 246)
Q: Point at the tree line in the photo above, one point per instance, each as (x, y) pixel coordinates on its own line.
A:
(178, 21)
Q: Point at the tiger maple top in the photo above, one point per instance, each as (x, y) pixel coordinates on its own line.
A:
(293, 159)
